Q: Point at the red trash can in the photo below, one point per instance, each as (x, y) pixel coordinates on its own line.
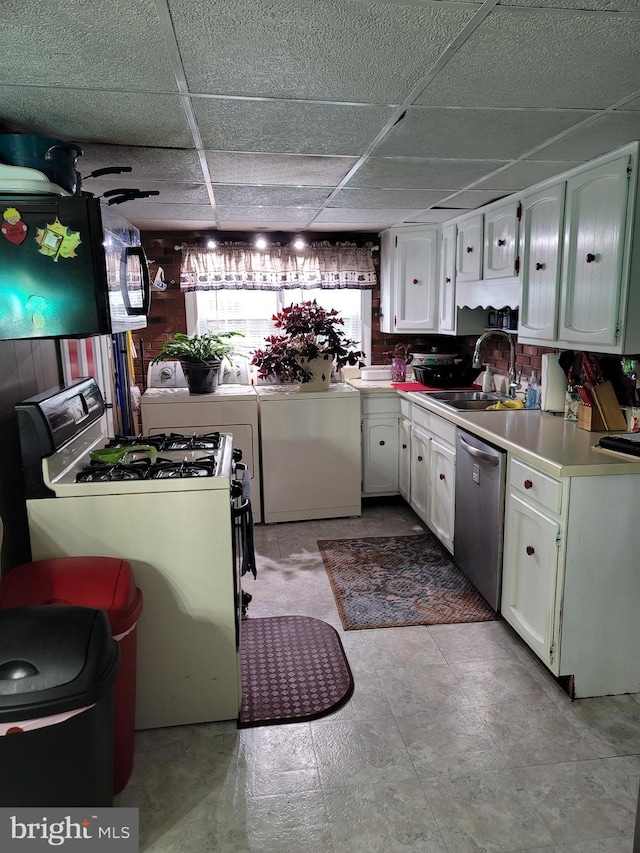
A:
(102, 583)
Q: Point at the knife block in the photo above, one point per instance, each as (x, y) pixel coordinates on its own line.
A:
(590, 418)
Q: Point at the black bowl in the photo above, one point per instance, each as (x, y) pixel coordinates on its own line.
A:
(445, 375)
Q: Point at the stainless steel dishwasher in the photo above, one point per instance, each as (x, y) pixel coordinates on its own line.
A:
(480, 488)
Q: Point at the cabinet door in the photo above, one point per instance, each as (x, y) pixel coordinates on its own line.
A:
(529, 576)
(448, 280)
(540, 246)
(593, 254)
(420, 471)
(469, 249)
(404, 458)
(380, 455)
(415, 283)
(442, 480)
(501, 241)
(387, 255)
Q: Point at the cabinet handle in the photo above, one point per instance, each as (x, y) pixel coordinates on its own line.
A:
(590, 258)
(382, 444)
(469, 248)
(415, 281)
(419, 458)
(441, 476)
(530, 550)
(539, 266)
(502, 242)
(528, 484)
(447, 280)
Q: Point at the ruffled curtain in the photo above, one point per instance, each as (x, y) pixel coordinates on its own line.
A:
(238, 266)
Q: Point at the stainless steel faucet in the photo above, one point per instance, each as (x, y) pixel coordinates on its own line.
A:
(514, 383)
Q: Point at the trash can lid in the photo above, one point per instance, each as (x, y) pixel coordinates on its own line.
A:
(104, 583)
(54, 659)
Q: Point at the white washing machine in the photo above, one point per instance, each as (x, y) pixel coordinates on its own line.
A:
(230, 409)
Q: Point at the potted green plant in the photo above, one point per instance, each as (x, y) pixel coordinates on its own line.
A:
(310, 342)
(200, 357)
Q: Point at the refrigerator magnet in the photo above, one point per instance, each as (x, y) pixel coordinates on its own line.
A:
(13, 228)
(57, 241)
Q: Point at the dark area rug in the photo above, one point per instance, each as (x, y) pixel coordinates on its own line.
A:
(393, 581)
(293, 669)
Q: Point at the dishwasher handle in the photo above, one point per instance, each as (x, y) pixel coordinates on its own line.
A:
(491, 458)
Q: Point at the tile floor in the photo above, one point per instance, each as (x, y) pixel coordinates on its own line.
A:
(456, 740)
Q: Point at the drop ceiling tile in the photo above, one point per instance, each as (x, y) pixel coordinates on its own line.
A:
(325, 50)
(244, 225)
(363, 199)
(541, 59)
(169, 164)
(265, 215)
(441, 215)
(418, 173)
(607, 133)
(364, 218)
(178, 193)
(474, 134)
(149, 209)
(593, 5)
(120, 118)
(289, 169)
(114, 45)
(631, 105)
(472, 199)
(245, 196)
(286, 127)
(164, 225)
(524, 174)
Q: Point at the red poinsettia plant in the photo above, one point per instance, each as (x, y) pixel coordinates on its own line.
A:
(306, 331)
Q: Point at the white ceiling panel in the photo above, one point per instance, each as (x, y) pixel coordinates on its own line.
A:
(605, 134)
(537, 59)
(416, 173)
(287, 127)
(523, 174)
(371, 199)
(335, 115)
(269, 196)
(471, 134)
(324, 50)
(228, 167)
(121, 118)
(70, 43)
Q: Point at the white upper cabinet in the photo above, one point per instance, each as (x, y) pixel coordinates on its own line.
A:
(408, 280)
(540, 255)
(593, 256)
(501, 241)
(469, 249)
(448, 280)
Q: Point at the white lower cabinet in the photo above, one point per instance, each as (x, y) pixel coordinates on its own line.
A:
(570, 584)
(442, 479)
(419, 495)
(404, 458)
(380, 416)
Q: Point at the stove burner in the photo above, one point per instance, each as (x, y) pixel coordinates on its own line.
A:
(104, 472)
(163, 470)
(170, 441)
(146, 469)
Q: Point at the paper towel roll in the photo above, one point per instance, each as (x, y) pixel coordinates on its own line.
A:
(553, 384)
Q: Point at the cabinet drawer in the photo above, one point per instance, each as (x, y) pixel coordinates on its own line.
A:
(380, 404)
(405, 407)
(435, 425)
(536, 486)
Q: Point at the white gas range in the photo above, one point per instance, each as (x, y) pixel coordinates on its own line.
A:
(168, 511)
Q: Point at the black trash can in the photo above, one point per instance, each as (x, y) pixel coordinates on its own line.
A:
(58, 667)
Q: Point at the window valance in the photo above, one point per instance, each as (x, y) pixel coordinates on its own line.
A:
(238, 266)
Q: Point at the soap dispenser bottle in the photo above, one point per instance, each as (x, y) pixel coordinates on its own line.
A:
(532, 394)
(487, 379)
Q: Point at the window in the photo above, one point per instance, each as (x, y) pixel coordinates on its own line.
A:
(250, 312)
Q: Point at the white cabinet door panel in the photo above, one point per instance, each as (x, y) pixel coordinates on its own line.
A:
(469, 249)
(415, 282)
(500, 241)
(420, 471)
(442, 479)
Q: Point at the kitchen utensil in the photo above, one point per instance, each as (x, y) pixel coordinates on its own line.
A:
(585, 396)
(433, 358)
(605, 399)
(113, 455)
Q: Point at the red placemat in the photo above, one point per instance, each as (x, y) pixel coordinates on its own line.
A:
(417, 386)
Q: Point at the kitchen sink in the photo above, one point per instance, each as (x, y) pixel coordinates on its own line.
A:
(469, 400)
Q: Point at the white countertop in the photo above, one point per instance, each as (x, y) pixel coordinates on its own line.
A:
(543, 439)
(182, 395)
(290, 391)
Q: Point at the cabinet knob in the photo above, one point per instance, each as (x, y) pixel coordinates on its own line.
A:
(404, 446)
(469, 248)
(502, 242)
(382, 444)
(414, 281)
(528, 484)
(590, 258)
(441, 476)
(448, 280)
(419, 458)
(530, 550)
(539, 266)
